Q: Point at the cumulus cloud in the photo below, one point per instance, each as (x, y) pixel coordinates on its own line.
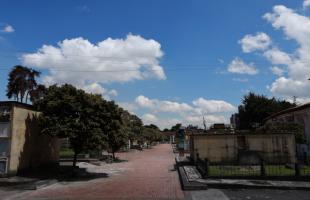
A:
(276, 56)
(8, 29)
(290, 87)
(213, 106)
(196, 120)
(277, 71)
(215, 111)
(295, 27)
(162, 106)
(161, 122)
(306, 4)
(238, 66)
(250, 43)
(84, 64)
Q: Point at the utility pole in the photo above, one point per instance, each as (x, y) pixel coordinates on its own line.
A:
(204, 122)
(294, 99)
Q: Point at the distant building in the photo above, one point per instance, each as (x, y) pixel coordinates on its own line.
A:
(22, 147)
(235, 121)
(244, 148)
(300, 115)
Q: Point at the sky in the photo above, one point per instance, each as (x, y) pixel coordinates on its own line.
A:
(166, 61)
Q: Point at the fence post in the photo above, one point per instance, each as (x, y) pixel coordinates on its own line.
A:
(262, 168)
(305, 158)
(297, 169)
(197, 157)
(206, 168)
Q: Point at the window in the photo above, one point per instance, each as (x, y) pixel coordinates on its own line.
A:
(4, 129)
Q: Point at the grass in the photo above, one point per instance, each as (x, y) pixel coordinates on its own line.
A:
(271, 170)
(66, 152)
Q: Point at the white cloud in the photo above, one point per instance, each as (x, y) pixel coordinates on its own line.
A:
(306, 4)
(8, 29)
(113, 92)
(250, 43)
(149, 119)
(239, 67)
(290, 87)
(164, 122)
(213, 106)
(297, 28)
(162, 106)
(130, 107)
(96, 88)
(277, 71)
(277, 57)
(168, 113)
(79, 62)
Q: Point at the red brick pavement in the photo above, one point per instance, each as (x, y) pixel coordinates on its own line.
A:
(148, 176)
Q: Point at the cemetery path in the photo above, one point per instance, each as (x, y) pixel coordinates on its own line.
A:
(148, 174)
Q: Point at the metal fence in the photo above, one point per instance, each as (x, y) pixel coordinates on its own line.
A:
(262, 169)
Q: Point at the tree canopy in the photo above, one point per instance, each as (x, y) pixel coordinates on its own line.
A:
(22, 84)
(71, 113)
(255, 108)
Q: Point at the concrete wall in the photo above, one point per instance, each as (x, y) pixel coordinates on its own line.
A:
(277, 148)
(301, 117)
(29, 149)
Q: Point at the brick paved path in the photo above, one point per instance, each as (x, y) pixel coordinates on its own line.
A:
(148, 175)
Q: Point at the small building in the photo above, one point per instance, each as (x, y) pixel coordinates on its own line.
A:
(243, 148)
(22, 147)
(299, 115)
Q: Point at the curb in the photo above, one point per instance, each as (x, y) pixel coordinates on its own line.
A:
(187, 185)
(245, 186)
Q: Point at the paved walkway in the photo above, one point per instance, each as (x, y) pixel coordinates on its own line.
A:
(147, 175)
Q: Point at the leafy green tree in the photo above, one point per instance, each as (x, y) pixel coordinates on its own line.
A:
(150, 134)
(133, 125)
(115, 128)
(71, 113)
(176, 127)
(21, 82)
(255, 108)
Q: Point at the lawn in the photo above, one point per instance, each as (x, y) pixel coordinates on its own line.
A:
(271, 170)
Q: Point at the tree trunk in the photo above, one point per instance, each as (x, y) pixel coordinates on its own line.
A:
(113, 155)
(74, 159)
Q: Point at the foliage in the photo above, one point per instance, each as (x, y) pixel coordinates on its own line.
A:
(151, 134)
(279, 127)
(115, 128)
(71, 113)
(255, 108)
(176, 127)
(22, 83)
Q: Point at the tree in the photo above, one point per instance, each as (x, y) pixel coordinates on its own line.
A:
(21, 82)
(37, 93)
(255, 108)
(67, 112)
(176, 127)
(133, 125)
(115, 128)
(151, 133)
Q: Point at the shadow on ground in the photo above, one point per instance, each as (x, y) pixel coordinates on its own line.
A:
(63, 173)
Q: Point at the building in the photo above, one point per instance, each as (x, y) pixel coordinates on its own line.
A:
(234, 121)
(22, 147)
(299, 115)
(244, 148)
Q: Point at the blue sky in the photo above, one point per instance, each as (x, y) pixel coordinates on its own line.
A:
(166, 61)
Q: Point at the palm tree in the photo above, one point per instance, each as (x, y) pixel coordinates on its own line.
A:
(21, 82)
